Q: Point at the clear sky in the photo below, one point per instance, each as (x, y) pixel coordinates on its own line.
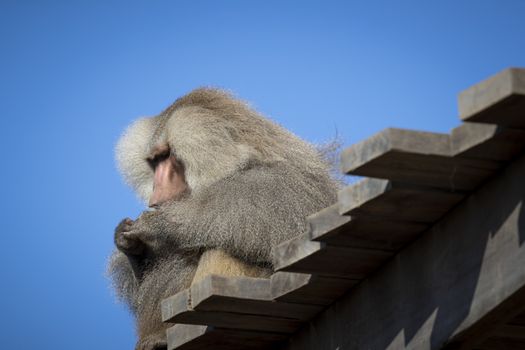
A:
(73, 74)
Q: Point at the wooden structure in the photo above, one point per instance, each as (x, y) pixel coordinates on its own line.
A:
(426, 252)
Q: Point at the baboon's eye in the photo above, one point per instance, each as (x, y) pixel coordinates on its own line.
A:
(158, 156)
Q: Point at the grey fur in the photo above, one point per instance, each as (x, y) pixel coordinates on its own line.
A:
(252, 185)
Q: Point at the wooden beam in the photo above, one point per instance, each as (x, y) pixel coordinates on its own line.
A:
(184, 313)
(237, 303)
(294, 250)
(415, 157)
(191, 337)
(498, 100)
(485, 141)
(330, 227)
(396, 201)
(304, 256)
(308, 289)
(245, 295)
(463, 274)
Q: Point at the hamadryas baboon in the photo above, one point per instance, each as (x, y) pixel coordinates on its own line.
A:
(225, 185)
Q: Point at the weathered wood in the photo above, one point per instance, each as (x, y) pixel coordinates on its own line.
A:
(178, 309)
(231, 294)
(175, 304)
(486, 141)
(308, 289)
(395, 140)
(192, 337)
(396, 201)
(326, 222)
(304, 256)
(462, 274)
(498, 100)
(415, 157)
(293, 250)
(235, 302)
(245, 295)
(370, 232)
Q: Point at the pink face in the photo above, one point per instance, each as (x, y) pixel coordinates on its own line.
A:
(169, 181)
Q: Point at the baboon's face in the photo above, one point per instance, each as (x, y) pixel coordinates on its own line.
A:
(169, 181)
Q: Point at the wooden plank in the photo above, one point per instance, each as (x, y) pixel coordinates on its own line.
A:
(304, 256)
(332, 228)
(178, 309)
(395, 140)
(486, 141)
(175, 304)
(308, 289)
(327, 222)
(230, 294)
(415, 157)
(245, 295)
(293, 250)
(462, 277)
(498, 100)
(192, 337)
(396, 201)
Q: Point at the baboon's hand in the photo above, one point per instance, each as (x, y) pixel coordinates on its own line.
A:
(139, 237)
(127, 239)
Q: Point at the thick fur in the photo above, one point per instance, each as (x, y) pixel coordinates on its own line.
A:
(218, 262)
(252, 185)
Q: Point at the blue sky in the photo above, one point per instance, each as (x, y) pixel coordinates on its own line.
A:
(73, 74)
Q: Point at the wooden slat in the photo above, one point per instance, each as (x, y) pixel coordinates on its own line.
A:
(235, 302)
(396, 201)
(327, 222)
(416, 157)
(308, 289)
(245, 295)
(395, 140)
(498, 100)
(178, 309)
(332, 228)
(192, 337)
(293, 250)
(485, 141)
(304, 256)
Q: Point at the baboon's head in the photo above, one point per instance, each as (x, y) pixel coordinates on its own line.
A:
(203, 137)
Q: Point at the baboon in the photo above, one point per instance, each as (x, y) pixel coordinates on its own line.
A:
(225, 185)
